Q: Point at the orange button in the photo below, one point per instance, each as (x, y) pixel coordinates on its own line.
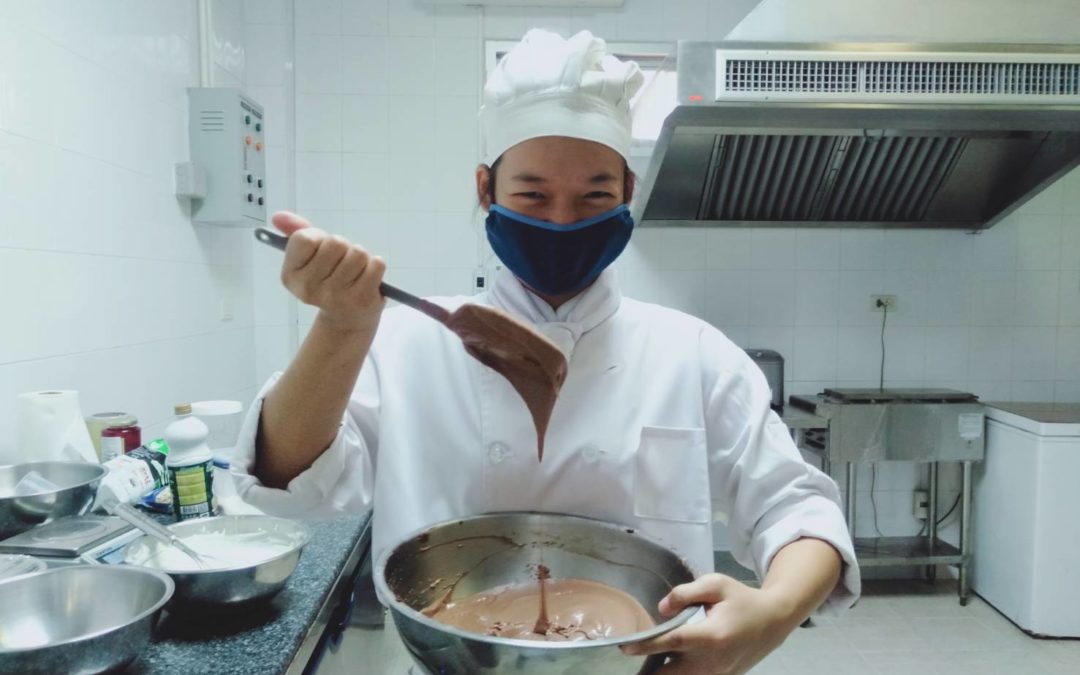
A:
(258, 146)
(247, 139)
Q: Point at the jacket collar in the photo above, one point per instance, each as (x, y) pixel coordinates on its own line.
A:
(572, 319)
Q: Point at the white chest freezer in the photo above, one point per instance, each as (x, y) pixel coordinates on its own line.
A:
(1026, 518)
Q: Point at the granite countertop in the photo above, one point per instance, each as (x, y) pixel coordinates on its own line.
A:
(263, 639)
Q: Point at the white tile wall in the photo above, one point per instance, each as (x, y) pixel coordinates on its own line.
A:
(364, 65)
(318, 17)
(318, 181)
(365, 17)
(318, 63)
(110, 288)
(997, 313)
(318, 123)
(270, 64)
(367, 179)
(817, 294)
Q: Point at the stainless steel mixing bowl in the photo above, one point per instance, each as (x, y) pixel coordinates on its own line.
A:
(505, 548)
(223, 584)
(18, 565)
(76, 482)
(78, 620)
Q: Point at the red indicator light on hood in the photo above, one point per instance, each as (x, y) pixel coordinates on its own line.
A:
(695, 97)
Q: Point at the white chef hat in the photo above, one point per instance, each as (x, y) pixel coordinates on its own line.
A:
(550, 86)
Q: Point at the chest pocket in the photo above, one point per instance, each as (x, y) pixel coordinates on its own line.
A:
(671, 475)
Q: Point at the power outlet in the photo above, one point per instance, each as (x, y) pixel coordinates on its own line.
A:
(879, 302)
(920, 507)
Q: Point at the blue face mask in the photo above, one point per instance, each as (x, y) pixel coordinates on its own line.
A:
(557, 259)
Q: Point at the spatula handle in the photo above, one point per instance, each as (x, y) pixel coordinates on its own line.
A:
(280, 241)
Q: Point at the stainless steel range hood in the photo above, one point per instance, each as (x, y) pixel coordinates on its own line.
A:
(862, 134)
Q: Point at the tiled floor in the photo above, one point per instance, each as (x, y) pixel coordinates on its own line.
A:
(909, 627)
(898, 628)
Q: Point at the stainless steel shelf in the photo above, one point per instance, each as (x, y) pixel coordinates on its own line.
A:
(795, 418)
(881, 551)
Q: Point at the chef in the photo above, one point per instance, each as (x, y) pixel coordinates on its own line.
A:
(663, 424)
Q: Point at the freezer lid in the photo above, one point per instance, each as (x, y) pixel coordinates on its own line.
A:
(1039, 418)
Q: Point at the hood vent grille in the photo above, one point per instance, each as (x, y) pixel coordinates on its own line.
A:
(784, 134)
(770, 77)
(767, 77)
(827, 178)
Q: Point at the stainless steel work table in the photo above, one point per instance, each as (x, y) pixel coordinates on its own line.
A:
(852, 427)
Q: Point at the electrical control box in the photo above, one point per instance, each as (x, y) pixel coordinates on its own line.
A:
(227, 132)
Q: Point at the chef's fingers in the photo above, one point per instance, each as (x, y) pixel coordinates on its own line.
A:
(372, 276)
(350, 268)
(288, 222)
(301, 250)
(332, 250)
(705, 590)
(684, 638)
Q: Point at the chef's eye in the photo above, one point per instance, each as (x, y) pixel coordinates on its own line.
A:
(529, 195)
(599, 195)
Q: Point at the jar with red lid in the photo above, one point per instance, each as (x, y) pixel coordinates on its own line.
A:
(120, 439)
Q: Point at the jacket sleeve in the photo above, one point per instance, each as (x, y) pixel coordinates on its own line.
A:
(341, 479)
(762, 488)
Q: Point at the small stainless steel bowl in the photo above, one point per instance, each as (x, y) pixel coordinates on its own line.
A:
(505, 548)
(76, 482)
(18, 565)
(229, 585)
(79, 620)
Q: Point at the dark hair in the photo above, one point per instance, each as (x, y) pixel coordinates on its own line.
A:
(495, 167)
(491, 177)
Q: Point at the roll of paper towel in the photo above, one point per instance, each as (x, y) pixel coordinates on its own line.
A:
(50, 427)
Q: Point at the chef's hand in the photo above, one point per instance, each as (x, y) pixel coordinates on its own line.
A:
(741, 627)
(326, 271)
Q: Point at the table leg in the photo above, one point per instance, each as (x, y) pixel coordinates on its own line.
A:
(849, 497)
(965, 534)
(931, 522)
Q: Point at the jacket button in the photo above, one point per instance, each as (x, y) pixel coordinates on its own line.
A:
(497, 452)
(590, 453)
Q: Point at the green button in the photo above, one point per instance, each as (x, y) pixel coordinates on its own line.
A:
(247, 119)
(258, 126)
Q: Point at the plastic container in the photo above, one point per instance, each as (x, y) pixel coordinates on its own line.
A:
(119, 440)
(135, 474)
(98, 422)
(223, 418)
(190, 466)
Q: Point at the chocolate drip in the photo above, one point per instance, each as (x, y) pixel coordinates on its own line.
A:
(533, 364)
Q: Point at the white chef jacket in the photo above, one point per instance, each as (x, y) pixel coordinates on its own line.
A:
(663, 425)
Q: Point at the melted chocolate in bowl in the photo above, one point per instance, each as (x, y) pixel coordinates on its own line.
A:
(439, 572)
(576, 609)
(532, 363)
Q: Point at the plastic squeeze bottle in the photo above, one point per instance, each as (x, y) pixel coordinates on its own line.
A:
(190, 466)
